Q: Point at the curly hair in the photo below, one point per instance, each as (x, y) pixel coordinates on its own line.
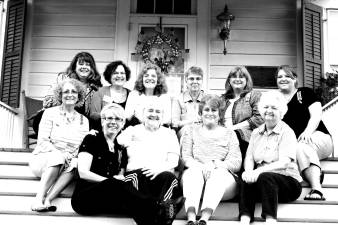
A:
(214, 102)
(94, 76)
(161, 86)
(78, 86)
(111, 67)
(238, 70)
(289, 71)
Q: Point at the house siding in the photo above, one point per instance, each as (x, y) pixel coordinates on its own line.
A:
(63, 28)
(262, 34)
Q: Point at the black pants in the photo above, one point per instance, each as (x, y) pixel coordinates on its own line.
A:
(243, 145)
(269, 189)
(113, 196)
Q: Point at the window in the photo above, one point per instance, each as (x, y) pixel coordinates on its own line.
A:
(263, 76)
(332, 34)
(164, 6)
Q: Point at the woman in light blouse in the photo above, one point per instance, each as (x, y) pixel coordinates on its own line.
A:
(270, 171)
(212, 156)
(61, 131)
(150, 86)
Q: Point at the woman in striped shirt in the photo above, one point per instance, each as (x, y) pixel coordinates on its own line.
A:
(61, 131)
(211, 153)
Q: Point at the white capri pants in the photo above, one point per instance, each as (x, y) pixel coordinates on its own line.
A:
(320, 148)
(221, 185)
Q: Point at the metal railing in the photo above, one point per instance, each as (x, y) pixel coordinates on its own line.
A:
(330, 119)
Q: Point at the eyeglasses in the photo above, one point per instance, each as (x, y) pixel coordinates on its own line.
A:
(237, 76)
(111, 119)
(194, 78)
(70, 92)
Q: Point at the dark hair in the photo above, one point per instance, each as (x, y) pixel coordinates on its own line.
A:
(161, 86)
(78, 86)
(289, 71)
(193, 70)
(229, 92)
(94, 77)
(111, 67)
(215, 102)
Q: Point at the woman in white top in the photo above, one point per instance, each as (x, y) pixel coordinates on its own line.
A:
(150, 86)
(61, 131)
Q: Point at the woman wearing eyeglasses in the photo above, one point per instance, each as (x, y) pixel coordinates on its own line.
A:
(102, 187)
(185, 106)
(117, 73)
(62, 129)
(241, 111)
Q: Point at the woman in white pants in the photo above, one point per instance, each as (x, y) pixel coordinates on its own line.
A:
(212, 156)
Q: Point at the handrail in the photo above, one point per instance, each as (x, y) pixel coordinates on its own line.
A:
(12, 110)
(330, 103)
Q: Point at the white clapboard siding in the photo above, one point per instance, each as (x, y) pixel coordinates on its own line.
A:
(61, 29)
(262, 34)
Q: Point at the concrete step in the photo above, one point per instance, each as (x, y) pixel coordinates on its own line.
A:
(14, 158)
(27, 187)
(17, 172)
(20, 205)
(57, 220)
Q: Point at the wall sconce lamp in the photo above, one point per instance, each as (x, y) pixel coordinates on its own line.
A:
(225, 19)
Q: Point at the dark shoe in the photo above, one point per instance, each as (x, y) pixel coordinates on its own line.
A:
(315, 195)
(190, 223)
(201, 222)
(321, 178)
(168, 210)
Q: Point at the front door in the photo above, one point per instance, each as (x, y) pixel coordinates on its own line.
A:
(182, 28)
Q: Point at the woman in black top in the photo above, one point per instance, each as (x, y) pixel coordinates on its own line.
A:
(101, 188)
(304, 117)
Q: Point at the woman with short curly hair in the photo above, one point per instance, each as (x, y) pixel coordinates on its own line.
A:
(117, 73)
(62, 129)
(150, 84)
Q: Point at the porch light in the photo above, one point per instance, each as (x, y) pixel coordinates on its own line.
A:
(225, 19)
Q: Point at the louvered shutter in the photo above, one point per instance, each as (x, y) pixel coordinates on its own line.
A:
(312, 45)
(13, 49)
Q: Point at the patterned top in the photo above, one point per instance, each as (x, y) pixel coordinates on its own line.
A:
(58, 133)
(222, 146)
(245, 108)
(265, 148)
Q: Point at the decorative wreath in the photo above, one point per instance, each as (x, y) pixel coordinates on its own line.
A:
(159, 49)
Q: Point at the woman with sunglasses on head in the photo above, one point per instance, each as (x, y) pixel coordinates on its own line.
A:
(117, 73)
(61, 132)
(241, 111)
(304, 117)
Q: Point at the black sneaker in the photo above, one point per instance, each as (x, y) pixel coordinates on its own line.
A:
(201, 222)
(191, 223)
(168, 210)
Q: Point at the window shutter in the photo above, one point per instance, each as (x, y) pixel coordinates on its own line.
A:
(312, 45)
(13, 49)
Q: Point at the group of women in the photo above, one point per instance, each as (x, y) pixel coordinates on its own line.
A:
(257, 146)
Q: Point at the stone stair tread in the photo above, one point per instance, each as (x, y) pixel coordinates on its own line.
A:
(26, 187)
(57, 220)
(20, 205)
(16, 172)
(16, 158)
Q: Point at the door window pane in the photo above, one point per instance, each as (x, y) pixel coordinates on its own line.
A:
(164, 7)
(145, 6)
(182, 6)
(263, 76)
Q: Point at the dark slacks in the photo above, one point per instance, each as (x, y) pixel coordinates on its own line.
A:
(269, 189)
(116, 197)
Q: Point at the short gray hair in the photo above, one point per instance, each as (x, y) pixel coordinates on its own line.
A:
(116, 108)
(273, 97)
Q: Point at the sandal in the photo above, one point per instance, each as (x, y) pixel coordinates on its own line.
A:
(312, 195)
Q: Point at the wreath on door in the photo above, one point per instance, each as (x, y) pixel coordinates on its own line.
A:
(160, 49)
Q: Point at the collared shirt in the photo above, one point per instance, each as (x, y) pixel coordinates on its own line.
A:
(267, 147)
(185, 108)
